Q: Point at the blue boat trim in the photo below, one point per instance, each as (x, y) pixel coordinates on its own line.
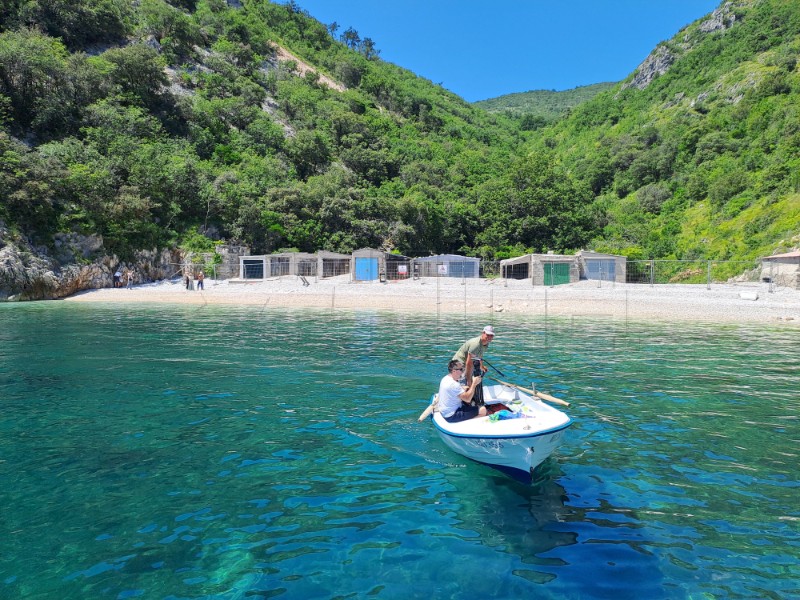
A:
(521, 436)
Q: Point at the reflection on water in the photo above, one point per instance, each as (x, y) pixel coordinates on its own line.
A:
(213, 452)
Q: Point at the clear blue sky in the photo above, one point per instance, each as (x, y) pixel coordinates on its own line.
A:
(482, 49)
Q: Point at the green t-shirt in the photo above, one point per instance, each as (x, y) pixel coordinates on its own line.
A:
(473, 347)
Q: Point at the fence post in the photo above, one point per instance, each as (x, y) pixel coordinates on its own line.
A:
(652, 272)
(708, 275)
(771, 278)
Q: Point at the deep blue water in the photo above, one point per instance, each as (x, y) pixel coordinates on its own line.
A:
(208, 452)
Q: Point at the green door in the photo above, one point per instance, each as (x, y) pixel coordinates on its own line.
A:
(556, 273)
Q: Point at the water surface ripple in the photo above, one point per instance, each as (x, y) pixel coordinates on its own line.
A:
(221, 453)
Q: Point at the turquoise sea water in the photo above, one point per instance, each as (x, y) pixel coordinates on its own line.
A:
(208, 452)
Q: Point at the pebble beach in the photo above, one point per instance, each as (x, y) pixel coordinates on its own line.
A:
(722, 303)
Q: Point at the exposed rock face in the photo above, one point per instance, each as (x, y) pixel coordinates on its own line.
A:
(30, 274)
(25, 275)
(721, 18)
(654, 65)
(662, 57)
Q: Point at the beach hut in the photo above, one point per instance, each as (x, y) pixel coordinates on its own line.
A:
(447, 265)
(365, 264)
(277, 265)
(782, 269)
(332, 264)
(518, 267)
(542, 269)
(369, 264)
(252, 267)
(602, 267)
(304, 264)
(281, 264)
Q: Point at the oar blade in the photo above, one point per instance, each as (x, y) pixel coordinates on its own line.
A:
(426, 413)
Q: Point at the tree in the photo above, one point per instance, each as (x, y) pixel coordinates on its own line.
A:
(308, 151)
(31, 66)
(138, 72)
(350, 38)
(171, 27)
(27, 199)
(79, 22)
(652, 196)
(368, 49)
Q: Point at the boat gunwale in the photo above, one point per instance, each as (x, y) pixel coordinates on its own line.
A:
(511, 436)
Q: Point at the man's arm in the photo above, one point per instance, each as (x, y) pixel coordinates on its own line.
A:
(468, 368)
(466, 395)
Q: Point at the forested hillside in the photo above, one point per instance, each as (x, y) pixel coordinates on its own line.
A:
(697, 154)
(180, 123)
(184, 122)
(538, 108)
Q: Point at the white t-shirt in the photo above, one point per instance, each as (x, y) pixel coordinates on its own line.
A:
(449, 402)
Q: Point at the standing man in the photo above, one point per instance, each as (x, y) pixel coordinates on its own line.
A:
(200, 277)
(471, 354)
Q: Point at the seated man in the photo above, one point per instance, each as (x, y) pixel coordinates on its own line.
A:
(454, 398)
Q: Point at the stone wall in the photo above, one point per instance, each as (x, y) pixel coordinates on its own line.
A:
(229, 268)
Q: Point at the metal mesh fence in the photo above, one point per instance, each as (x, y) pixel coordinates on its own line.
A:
(253, 270)
(307, 268)
(398, 269)
(334, 267)
(490, 268)
(691, 271)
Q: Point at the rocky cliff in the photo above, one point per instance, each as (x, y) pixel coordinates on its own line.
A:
(31, 273)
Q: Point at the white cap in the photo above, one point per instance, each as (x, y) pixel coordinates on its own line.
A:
(488, 330)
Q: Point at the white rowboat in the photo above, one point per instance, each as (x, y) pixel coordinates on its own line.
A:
(515, 446)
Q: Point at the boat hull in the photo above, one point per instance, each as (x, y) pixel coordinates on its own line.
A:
(515, 446)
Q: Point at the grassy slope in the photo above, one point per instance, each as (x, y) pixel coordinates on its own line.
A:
(718, 112)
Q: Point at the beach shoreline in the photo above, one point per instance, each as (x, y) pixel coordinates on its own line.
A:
(722, 303)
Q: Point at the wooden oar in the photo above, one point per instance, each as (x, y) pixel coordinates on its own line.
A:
(427, 412)
(547, 397)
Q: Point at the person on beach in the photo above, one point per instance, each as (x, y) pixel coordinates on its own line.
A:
(471, 354)
(129, 277)
(188, 281)
(455, 399)
(200, 277)
(117, 278)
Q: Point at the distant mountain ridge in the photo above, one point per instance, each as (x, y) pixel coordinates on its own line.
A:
(547, 104)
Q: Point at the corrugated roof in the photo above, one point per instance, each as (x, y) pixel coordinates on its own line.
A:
(448, 258)
(516, 260)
